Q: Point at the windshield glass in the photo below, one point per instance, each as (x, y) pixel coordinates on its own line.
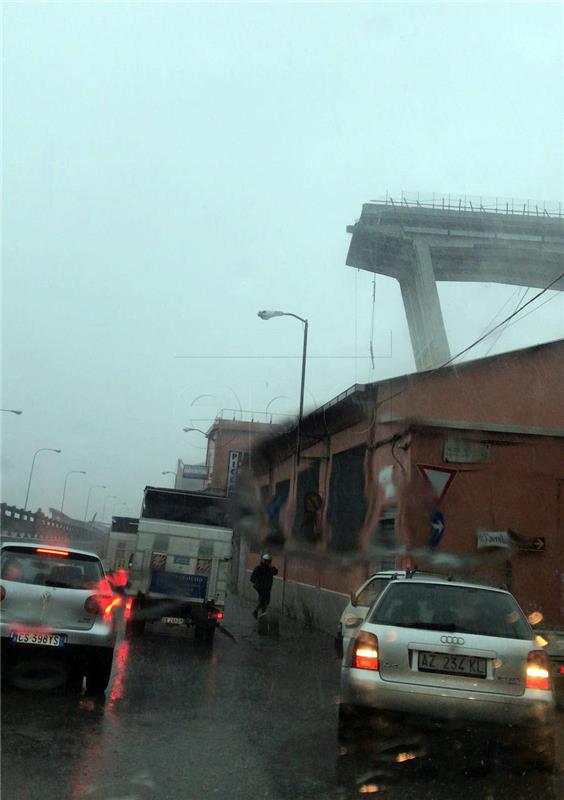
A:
(282, 311)
(73, 571)
(451, 608)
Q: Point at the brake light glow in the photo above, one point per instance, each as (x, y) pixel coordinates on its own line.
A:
(537, 673)
(51, 551)
(128, 607)
(365, 653)
(215, 614)
(2, 593)
(114, 603)
(561, 669)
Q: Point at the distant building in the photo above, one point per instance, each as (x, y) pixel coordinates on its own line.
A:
(191, 477)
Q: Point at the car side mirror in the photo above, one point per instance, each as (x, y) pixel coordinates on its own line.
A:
(353, 599)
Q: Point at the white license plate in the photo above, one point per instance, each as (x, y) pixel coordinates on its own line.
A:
(172, 620)
(448, 664)
(44, 639)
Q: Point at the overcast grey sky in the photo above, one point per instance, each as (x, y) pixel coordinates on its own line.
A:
(170, 169)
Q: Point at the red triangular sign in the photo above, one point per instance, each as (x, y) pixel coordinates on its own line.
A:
(439, 478)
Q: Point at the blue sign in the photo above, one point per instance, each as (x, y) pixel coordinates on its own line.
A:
(177, 584)
(182, 560)
(437, 527)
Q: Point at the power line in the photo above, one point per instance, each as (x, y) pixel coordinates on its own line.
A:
(480, 338)
(503, 322)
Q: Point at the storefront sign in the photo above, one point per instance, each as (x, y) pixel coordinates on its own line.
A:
(485, 539)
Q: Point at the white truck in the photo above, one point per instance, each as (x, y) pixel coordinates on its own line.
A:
(180, 570)
(121, 543)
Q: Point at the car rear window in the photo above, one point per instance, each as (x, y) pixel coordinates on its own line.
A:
(74, 571)
(447, 607)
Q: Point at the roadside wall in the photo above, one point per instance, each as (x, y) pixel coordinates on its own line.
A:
(312, 606)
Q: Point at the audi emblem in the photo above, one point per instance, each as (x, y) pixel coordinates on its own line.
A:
(452, 640)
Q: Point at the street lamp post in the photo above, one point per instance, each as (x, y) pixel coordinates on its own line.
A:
(41, 450)
(113, 497)
(97, 486)
(72, 472)
(187, 430)
(169, 472)
(269, 315)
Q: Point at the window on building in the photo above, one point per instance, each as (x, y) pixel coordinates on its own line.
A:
(347, 504)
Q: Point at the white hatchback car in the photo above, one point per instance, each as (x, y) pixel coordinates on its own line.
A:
(448, 650)
(58, 607)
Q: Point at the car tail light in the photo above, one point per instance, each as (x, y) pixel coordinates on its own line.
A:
(215, 614)
(538, 672)
(365, 652)
(112, 603)
(51, 551)
(561, 670)
(91, 604)
(128, 607)
(2, 593)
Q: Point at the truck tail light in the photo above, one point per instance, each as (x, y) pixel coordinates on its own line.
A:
(215, 614)
(538, 671)
(365, 652)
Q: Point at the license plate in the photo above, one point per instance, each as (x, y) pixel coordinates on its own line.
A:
(449, 664)
(172, 620)
(44, 639)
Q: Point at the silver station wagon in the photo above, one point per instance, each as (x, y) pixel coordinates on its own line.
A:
(448, 650)
(57, 611)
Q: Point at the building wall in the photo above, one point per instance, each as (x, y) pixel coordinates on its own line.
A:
(519, 488)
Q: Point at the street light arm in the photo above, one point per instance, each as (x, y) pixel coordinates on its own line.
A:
(41, 450)
(296, 316)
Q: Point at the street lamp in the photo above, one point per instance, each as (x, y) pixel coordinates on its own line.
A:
(97, 486)
(11, 411)
(266, 315)
(113, 497)
(41, 450)
(169, 472)
(72, 472)
(187, 430)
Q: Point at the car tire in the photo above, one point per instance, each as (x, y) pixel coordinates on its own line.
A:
(352, 720)
(99, 671)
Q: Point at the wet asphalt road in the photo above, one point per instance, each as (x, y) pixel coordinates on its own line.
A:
(252, 719)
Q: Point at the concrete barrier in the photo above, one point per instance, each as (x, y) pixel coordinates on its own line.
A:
(311, 606)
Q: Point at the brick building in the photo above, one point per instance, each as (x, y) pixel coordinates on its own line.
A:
(460, 469)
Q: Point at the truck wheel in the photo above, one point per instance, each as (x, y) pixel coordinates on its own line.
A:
(99, 671)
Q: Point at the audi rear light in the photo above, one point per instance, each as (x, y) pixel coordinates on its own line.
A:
(365, 652)
(538, 670)
(2, 593)
(91, 604)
